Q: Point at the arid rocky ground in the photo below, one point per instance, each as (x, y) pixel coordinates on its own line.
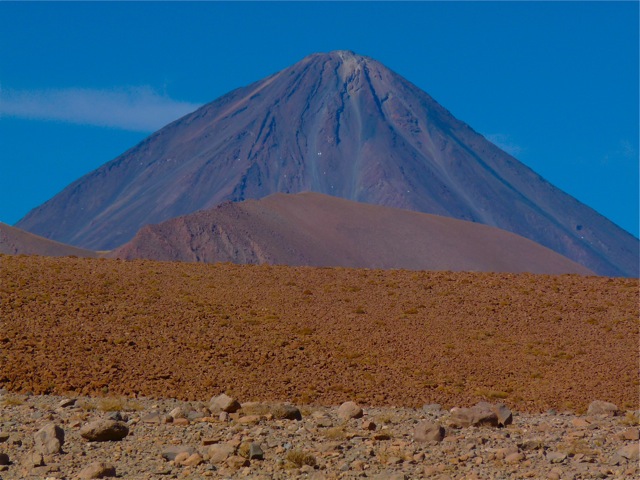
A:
(133, 335)
(172, 439)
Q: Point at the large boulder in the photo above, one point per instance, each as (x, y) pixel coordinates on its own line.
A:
(49, 439)
(224, 403)
(427, 431)
(104, 431)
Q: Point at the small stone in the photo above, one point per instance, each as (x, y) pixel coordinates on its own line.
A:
(369, 425)
(350, 410)
(4, 459)
(181, 422)
(427, 431)
(381, 436)
(249, 419)
(118, 416)
(237, 462)
(516, 457)
(580, 422)
(505, 417)
(171, 453)
(97, 470)
(432, 408)
(192, 460)
(4, 436)
(178, 412)
(630, 452)
(219, 452)
(598, 407)
(224, 403)
(532, 444)
(224, 417)
(255, 452)
(156, 417)
(285, 411)
(33, 460)
(630, 434)
(49, 439)
(67, 402)
(104, 431)
(556, 457)
(555, 474)
(181, 457)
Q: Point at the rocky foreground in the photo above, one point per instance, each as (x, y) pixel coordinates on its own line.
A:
(67, 438)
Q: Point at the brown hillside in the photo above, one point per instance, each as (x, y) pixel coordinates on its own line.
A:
(319, 335)
(320, 230)
(14, 241)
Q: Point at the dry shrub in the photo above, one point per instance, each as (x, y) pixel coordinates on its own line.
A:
(11, 401)
(299, 458)
(335, 433)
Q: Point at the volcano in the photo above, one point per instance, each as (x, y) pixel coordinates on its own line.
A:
(339, 124)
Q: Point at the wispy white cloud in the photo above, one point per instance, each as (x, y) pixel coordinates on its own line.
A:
(503, 142)
(623, 152)
(130, 108)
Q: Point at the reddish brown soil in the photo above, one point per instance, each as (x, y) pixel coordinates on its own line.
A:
(317, 335)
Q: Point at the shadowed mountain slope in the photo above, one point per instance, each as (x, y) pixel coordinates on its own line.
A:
(340, 124)
(320, 230)
(14, 241)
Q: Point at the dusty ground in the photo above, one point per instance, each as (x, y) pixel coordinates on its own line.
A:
(316, 336)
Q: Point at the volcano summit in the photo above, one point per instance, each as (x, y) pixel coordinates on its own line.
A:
(339, 124)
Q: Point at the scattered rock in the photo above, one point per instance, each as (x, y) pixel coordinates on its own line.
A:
(427, 431)
(515, 457)
(104, 431)
(156, 417)
(630, 434)
(67, 402)
(236, 462)
(219, 452)
(178, 412)
(255, 452)
(411, 444)
(350, 410)
(286, 412)
(170, 453)
(505, 416)
(556, 457)
(479, 415)
(368, 425)
(432, 408)
(192, 460)
(224, 403)
(599, 407)
(630, 452)
(33, 459)
(49, 439)
(97, 470)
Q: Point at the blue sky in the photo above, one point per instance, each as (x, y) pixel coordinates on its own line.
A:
(555, 84)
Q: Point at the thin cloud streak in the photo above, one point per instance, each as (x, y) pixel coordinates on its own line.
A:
(503, 142)
(131, 108)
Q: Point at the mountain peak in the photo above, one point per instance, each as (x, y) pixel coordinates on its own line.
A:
(336, 123)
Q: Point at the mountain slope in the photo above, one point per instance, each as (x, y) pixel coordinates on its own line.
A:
(320, 230)
(339, 124)
(14, 241)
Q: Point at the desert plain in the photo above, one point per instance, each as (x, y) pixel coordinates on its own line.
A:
(176, 334)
